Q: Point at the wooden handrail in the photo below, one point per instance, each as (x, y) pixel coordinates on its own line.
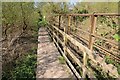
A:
(83, 48)
(95, 14)
(87, 51)
(99, 37)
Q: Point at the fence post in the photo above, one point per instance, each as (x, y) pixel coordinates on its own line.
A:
(91, 41)
(64, 40)
(84, 64)
(92, 32)
(66, 31)
(69, 22)
(59, 20)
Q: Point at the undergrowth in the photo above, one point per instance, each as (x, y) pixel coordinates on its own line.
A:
(61, 60)
(110, 61)
(23, 68)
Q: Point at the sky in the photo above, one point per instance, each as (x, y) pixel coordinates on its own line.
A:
(71, 1)
(74, 1)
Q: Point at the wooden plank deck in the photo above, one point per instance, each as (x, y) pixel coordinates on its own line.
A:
(48, 63)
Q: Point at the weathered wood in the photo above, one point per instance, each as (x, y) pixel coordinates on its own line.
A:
(67, 60)
(84, 64)
(81, 47)
(75, 42)
(108, 53)
(86, 71)
(99, 37)
(95, 14)
(58, 38)
(74, 57)
(59, 21)
(69, 22)
(87, 52)
(65, 41)
(93, 27)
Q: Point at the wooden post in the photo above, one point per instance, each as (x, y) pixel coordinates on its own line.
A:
(66, 31)
(65, 40)
(84, 64)
(69, 22)
(59, 20)
(91, 41)
(93, 27)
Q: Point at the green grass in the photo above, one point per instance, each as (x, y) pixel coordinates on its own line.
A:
(110, 61)
(61, 60)
(24, 68)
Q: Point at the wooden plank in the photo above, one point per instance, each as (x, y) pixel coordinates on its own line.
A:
(76, 60)
(75, 14)
(106, 14)
(74, 57)
(84, 49)
(67, 60)
(58, 30)
(93, 27)
(69, 22)
(65, 39)
(99, 37)
(108, 53)
(96, 14)
(59, 21)
(75, 42)
(102, 38)
(84, 68)
(58, 38)
(80, 37)
(84, 64)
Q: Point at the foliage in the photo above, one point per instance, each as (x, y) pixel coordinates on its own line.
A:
(42, 22)
(61, 60)
(108, 21)
(84, 11)
(110, 61)
(18, 16)
(112, 24)
(102, 7)
(25, 68)
(19, 19)
(116, 37)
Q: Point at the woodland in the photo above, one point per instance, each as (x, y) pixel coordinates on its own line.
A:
(22, 20)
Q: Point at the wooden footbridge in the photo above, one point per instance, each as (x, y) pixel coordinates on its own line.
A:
(84, 57)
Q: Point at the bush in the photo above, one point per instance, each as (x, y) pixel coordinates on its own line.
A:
(42, 22)
(24, 68)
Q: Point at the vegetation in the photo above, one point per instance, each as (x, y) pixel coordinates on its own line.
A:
(21, 20)
(24, 68)
(116, 37)
(20, 32)
(42, 22)
(111, 61)
(61, 60)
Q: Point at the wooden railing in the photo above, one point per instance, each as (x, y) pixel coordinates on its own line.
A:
(89, 59)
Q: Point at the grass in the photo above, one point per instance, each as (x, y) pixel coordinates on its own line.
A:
(61, 60)
(24, 68)
(110, 61)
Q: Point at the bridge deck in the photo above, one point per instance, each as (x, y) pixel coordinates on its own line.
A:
(48, 64)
